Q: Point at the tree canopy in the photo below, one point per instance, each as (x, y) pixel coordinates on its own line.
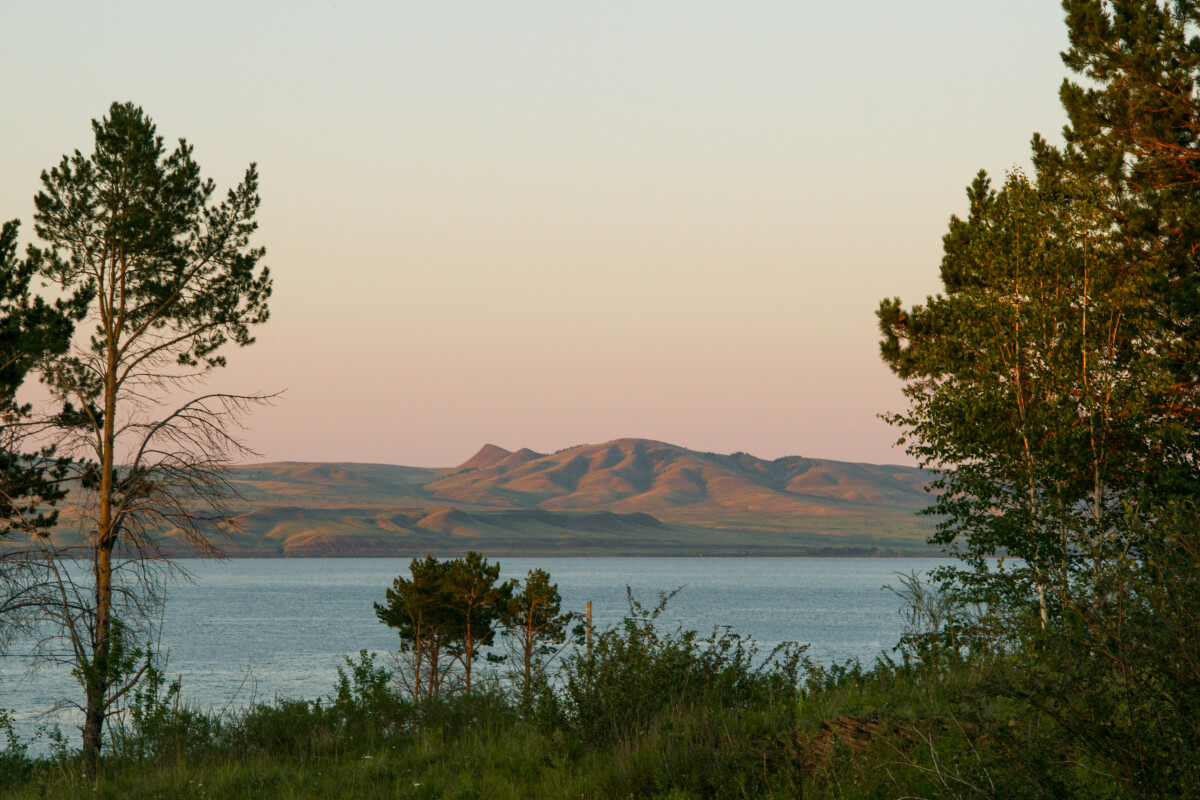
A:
(32, 477)
(30, 330)
(164, 277)
(1053, 387)
(1053, 383)
(454, 609)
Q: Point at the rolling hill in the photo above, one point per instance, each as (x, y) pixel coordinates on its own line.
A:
(625, 497)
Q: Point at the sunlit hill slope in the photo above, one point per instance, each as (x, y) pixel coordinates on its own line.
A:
(625, 497)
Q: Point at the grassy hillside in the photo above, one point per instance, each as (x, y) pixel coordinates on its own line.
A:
(626, 497)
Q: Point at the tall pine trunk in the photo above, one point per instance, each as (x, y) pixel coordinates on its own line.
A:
(96, 679)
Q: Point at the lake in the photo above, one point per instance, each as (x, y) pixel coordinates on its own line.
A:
(253, 629)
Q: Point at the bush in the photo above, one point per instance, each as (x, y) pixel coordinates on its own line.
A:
(15, 763)
(155, 723)
(1119, 672)
(364, 702)
(674, 711)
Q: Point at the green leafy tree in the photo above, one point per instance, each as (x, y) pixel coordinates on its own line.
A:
(1121, 674)
(1055, 383)
(477, 604)
(1030, 389)
(536, 627)
(171, 279)
(1054, 386)
(446, 609)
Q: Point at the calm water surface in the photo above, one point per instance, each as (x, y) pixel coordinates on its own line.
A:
(252, 629)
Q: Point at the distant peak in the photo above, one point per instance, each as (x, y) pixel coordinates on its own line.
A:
(521, 456)
(488, 455)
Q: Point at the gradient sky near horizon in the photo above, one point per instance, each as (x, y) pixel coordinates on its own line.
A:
(540, 224)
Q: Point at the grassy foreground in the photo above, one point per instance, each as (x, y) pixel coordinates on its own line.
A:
(647, 715)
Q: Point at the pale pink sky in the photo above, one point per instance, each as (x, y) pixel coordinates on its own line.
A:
(542, 223)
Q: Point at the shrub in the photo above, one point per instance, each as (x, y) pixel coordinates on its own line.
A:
(674, 711)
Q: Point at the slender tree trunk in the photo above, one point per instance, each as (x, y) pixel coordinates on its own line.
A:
(434, 653)
(527, 686)
(468, 651)
(96, 679)
(468, 657)
(420, 637)
(529, 656)
(1042, 606)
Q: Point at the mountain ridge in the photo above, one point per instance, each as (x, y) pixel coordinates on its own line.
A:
(651, 476)
(624, 497)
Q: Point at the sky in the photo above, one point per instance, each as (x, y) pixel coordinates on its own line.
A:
(542, 224)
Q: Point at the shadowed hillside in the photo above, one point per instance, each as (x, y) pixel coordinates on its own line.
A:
(626, 497)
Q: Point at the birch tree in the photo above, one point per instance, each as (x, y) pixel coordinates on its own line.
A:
(1031, 383)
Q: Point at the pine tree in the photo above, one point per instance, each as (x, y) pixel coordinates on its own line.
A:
(477, 604)
(537, 627)
(1135, 124)
(171, 279)
(418, 608)
(31, 483)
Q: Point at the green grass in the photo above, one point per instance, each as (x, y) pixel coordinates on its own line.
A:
(927, 742)
(649, 714)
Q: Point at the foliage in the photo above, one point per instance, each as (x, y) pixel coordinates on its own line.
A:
(724, 728)
(1069, 318)
(1121, 672)
(1041, 333)
(31, 477)
(15, 762)
(947, 629)
(537, 630)
(705, 717)
(166, 278)
(708, 715)
(446, 609)
(477, 605)
(364, 692)
(417, 608)
(30, 328)
(155, 722)
(1133, 126)
(1054, 385)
